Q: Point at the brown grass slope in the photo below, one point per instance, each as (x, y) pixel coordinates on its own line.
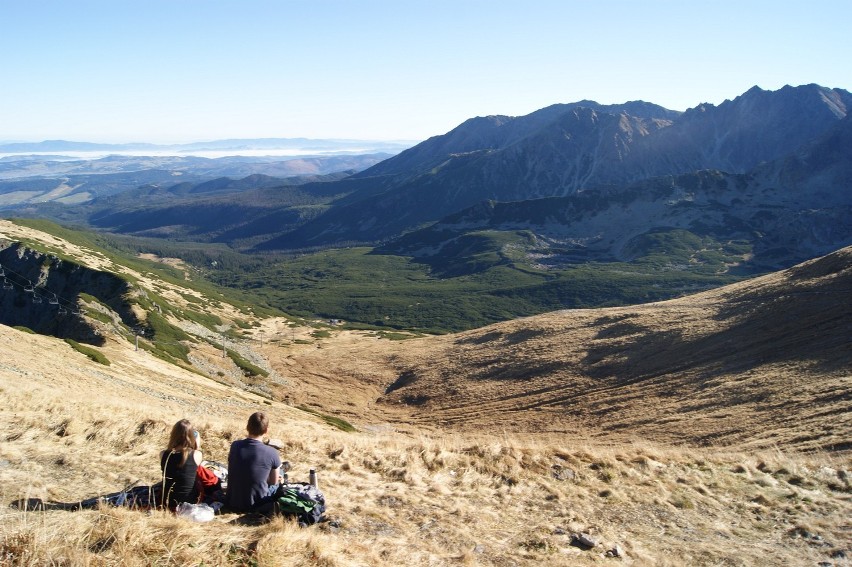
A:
(767, 361)
(512, 438)
(73, 429)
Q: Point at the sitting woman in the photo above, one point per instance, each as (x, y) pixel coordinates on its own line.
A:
(179, 463)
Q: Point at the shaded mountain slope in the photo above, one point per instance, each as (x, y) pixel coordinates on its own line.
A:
(782, 212)
(564, 149)
(571, 150)
(755, 127)
(771, 220)
(499, 132)
(222, 209)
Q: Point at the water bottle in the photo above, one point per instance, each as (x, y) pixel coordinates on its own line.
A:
(312, 478)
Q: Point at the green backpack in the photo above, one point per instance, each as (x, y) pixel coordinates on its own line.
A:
(295, 502)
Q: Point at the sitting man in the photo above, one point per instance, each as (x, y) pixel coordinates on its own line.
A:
(253, 470)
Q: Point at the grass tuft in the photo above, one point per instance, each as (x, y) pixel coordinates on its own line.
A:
(93, 354)
(337, 422)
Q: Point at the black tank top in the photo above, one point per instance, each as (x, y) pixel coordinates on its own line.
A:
(179, 484)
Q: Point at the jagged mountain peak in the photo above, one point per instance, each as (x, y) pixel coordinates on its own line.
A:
(637, 108)
(495, 132)
(808, 98)
(792, 98)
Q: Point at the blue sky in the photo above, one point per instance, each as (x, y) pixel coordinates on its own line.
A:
(188, 70)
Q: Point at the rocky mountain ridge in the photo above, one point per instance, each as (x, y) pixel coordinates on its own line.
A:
(566, 149)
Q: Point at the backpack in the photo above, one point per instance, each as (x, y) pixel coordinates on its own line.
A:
(303, 501)
(206, 484)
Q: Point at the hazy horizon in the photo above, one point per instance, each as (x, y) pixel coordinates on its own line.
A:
(286, 148)
(209, 154)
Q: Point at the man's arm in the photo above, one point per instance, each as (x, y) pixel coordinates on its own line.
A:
(274, 463)
(273, 477)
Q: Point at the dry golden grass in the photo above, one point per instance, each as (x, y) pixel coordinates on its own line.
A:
(534, 429)
(73, 431)
(723, 368)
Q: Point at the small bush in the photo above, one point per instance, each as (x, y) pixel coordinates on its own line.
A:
(395, 336)
(93, 354)
(246, 366)
(337, 422)
(682, 502)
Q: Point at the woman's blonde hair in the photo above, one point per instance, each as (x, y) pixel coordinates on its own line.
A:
(182, 440)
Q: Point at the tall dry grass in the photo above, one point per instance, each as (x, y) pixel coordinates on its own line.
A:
(399, 499)
(72, 429)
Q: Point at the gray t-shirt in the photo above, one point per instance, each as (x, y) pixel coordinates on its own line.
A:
(249, 465)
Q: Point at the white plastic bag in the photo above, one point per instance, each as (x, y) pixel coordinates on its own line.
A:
(195, 512)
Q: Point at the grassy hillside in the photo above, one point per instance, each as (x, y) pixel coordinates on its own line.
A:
(663, 431)
(395, 498)
(128, 252)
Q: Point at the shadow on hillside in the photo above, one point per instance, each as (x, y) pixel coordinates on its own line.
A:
(480, 339)
(647, 355)
(406, 378)
(510, 338)
(806, 318)
(523, 335)
(815, 327)
(498, 369)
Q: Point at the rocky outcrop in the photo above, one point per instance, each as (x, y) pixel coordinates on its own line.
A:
(42, 292)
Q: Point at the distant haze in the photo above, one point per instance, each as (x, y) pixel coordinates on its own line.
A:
(284, 148)
(211, 154)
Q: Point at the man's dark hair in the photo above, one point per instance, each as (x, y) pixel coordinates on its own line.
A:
(258, 424)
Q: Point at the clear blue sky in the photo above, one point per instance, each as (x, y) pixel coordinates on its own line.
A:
(186, 70)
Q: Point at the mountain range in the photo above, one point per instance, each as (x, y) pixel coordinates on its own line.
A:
(768, 170)
(565, 150)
